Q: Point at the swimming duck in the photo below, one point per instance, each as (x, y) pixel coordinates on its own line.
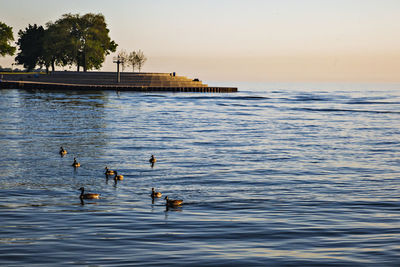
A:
(173, 202)
(76, 163)
(62, 151)
(155, 194)
(88, 195)
(108, 171)
(152, 159)
(118, 176)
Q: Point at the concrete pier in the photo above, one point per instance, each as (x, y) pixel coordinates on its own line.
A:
(138, 82)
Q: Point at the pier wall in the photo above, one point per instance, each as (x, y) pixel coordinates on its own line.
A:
(140, 82)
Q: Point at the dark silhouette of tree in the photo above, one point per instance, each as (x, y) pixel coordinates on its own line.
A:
(6, 36)
(88, 42)
(30, 44)
(73, 39)
(55, 46)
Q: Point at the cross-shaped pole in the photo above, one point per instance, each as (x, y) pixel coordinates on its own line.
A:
(118, 60)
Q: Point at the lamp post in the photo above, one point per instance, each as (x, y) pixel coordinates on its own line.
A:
(118, 60)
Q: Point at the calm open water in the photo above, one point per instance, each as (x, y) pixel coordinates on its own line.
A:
(268, 177)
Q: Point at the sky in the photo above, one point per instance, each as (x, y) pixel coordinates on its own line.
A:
(232, 40)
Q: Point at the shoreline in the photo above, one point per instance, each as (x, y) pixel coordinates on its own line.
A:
(136, 82)
(60, 86)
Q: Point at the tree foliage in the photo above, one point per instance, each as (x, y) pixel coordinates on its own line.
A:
(6, 36)
(55, 46)
(30, 44)
(72, 40)
(88, 42)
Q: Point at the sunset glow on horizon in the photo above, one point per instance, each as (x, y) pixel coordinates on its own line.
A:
(230, 40)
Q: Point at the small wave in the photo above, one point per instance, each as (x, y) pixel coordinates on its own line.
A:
(345, 110)
(249, 97)
(312, 98)
(309, 98)
(226, 97)
(372, 103)
(151, 95)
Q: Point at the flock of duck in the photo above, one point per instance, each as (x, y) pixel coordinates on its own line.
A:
(118, 177)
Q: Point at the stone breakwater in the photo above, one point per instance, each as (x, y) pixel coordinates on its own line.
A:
(140, 82)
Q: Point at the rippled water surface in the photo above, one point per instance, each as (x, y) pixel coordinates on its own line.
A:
(270, 177)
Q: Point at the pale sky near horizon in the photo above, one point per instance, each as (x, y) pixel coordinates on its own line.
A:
(252, 40)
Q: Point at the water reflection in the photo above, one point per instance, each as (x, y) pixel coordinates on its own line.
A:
(255, 172)
(173, 208)
(41, 122)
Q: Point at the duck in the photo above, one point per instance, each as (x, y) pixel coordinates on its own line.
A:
(152, 159)
(118, 176)
(173, 202)
(155, 194)
(76, 163)
(62, 151)
(108, 171)
(88, 195)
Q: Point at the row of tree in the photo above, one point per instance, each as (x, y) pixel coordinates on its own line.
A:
(133, 59)
(72, 40)
(77, 40)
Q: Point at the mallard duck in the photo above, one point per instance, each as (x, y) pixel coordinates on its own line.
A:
(108, 171)
(76, 163)
(88, 195)
(62, 151)
(118, 177)
(173, 202)
(152, 159)
(155, 194)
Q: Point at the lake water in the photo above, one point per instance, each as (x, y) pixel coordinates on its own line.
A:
(292, 175)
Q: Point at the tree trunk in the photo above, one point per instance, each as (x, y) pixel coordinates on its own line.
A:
(78, 62)
(84, 62)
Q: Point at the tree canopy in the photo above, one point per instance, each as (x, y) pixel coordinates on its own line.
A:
(88, 41)
(72, 40)
(6, 36)
(30, 44)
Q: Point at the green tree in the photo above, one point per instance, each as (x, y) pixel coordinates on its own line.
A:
(55, 46)
(88, 42)
(6, 36)
(30, 44)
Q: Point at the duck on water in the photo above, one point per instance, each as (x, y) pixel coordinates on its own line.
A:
(155, 194)
(173, 202)
(88, 195)
(62, 151)
(76, 164)
(108, 171)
